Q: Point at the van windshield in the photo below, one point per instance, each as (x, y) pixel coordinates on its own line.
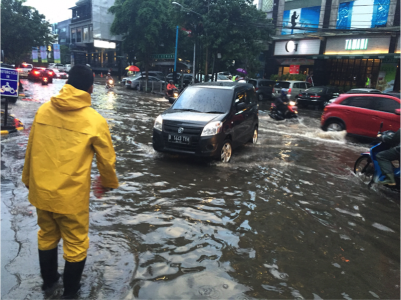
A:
(205, 100)
(282, 85)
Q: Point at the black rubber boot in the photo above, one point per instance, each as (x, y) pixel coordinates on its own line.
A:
(48, 268)
(71, 278)
(389, 180)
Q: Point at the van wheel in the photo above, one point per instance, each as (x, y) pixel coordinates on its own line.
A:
(335, 126)
(255, 136)
(226, 151)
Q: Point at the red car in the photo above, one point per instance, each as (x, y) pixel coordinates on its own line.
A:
(37, 73)
(361, 114)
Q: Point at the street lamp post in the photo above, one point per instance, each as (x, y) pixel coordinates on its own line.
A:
(175, 57)
(193, 63)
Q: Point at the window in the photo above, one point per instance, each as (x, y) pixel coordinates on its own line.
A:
(73, 35)
(299, 85)
(253, 82)
(241, 96)
(282, 85)
(79, 35)
(267, 83)
(308, 85)
(251, 96)
(385, 104)
(362, 102)
(86, 34)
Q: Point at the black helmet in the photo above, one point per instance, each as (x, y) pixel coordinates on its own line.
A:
(170, 81)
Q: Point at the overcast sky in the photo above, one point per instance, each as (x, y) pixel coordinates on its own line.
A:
(58, 10)
(54, 10)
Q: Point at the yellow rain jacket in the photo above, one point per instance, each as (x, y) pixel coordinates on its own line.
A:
(64, 136)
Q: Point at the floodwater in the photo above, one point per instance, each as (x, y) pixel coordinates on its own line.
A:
(285, 219)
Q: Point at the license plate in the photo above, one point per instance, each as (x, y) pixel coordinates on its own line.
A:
(181, 139)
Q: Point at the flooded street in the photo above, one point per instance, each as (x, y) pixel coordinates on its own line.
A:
(285, 219)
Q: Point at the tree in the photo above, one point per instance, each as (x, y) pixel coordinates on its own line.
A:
(22, 27)
(145, 26)
(234, 28)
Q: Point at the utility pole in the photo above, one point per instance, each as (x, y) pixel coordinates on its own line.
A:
(175, 59)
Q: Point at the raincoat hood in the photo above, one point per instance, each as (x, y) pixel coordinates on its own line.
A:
(70, 98)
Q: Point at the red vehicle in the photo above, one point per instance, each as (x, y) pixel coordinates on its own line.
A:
(361, 114)
(36, 74)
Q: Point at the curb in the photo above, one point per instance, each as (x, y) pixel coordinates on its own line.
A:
(16, 129)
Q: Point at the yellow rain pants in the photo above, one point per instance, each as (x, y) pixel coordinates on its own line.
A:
(73, 229)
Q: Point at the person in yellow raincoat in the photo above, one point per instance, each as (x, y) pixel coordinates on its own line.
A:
(64, 137)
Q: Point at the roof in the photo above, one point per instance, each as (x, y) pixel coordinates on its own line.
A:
(222, 84)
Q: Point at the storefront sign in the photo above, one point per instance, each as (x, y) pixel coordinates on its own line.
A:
(373, 45)
(300, 47)
(294, 69)
(356, 44)
(104, 44)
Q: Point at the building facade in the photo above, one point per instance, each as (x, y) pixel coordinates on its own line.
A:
(341, 42)
(62, 29)
(90, 39)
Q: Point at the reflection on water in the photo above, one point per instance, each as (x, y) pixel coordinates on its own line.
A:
(285, 219)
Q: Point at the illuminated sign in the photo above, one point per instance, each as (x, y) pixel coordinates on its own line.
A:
(290, 46)
(356, 44)
(104, 44)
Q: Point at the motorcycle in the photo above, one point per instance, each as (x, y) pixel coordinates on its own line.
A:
(172, 95)
(45, 80)
(110, 84)
(367, 168)
(292, 111)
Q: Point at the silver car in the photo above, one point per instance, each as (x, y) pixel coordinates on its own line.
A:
(294, 88)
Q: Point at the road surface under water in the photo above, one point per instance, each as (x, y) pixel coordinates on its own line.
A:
(285, 219)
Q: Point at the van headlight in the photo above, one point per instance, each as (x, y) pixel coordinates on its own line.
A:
(158, 123)
(212, 128)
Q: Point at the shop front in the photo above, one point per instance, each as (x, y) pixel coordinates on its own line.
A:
(291, 56)
(355, 62)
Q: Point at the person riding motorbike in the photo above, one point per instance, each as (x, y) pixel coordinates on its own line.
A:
(281, 102)
(385, 158)
(170, 88)
(109, 77)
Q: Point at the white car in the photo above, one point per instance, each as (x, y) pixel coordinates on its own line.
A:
(24, 70)
(142, 80)
(67, 68)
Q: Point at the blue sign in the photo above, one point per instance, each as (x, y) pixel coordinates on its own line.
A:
(301, 20)
(9, 82)
(363, 14)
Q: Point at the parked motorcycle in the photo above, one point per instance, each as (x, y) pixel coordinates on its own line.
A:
(367, 168)
(172, 95)
(292, 111)
(45, 80)
(110, 84)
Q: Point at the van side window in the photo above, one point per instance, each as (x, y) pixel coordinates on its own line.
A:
(241, 96)
(251, 96)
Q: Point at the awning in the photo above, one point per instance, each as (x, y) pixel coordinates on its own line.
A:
(359, 56)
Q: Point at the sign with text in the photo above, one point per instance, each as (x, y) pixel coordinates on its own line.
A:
(163, 56)
(104, 44)
(56, 50)
(294, 69)
(356, 44)
(43, 54)
(9, 82)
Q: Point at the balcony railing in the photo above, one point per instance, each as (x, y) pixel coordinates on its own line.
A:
(80, 18)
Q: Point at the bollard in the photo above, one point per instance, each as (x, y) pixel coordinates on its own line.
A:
(152, 86)
(146, 86)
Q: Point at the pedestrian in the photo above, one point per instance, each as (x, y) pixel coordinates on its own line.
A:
(309, 78)
(368, 81)
(64, 136)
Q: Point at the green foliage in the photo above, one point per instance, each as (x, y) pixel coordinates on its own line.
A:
(145, 26)
(22, 27)
(234, 28)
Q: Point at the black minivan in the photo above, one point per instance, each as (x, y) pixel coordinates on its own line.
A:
(209, 120)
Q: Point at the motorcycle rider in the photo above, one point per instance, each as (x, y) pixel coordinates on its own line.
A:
(281, 102)
(385, 158)
(108, 77)
(170, 88)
